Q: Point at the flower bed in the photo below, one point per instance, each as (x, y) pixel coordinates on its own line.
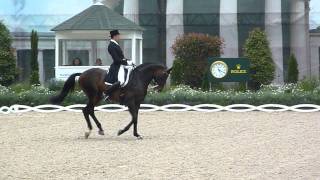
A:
(291, 94)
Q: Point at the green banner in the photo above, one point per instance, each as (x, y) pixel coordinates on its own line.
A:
(229, 69)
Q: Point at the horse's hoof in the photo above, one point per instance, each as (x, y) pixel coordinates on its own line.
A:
(86, 135)
(119, 132)
(101, 133)
(139, 137)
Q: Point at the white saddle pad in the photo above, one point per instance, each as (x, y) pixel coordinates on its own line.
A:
(123, 77)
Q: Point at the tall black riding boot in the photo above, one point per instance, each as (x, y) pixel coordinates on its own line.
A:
(112, 88)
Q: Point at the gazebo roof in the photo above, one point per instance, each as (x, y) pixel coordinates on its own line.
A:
(97, 17)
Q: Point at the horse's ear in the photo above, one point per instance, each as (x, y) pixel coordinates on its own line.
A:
(169, 70)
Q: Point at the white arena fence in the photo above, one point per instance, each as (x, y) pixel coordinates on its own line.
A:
(48, 108)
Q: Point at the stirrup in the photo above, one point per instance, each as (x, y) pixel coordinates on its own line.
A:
(106, 98)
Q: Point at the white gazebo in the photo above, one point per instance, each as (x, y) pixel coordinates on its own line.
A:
(85, 37)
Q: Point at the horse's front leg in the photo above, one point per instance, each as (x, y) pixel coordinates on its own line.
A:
(134, 114)
(133, 109)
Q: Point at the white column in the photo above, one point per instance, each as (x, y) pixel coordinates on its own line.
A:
(64, 54)
(300, 36)
(57, 55)
(140, 49)
(315, 56)
(93, 55)
(229, 27)
(131, 10)
(133, 53)
(273, 28)
(41, 67)
(174, 26)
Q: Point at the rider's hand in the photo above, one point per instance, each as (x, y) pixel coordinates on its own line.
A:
(130, 63)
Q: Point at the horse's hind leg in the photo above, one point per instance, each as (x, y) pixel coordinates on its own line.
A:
(86, 116)
(91, 112)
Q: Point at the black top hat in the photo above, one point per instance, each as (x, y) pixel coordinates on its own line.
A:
(114, 32)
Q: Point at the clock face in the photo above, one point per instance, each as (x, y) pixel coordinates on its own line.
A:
(219, 69)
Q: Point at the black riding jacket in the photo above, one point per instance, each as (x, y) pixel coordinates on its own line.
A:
(118, 59)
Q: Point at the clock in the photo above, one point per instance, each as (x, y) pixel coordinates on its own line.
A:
(219, 69)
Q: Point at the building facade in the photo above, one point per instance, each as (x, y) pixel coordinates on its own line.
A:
(286, 23)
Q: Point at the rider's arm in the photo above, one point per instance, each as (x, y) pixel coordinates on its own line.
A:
(116, 57)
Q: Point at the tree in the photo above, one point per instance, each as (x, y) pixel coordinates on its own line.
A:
(8, 70)
(191, 53)
(34, 76)
(293, 72)
(257, 50)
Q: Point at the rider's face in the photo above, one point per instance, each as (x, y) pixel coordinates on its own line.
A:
(116, 37)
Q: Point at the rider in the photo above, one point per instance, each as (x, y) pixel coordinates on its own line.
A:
(118, 59)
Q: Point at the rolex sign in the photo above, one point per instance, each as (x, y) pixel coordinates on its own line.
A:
(229, 69)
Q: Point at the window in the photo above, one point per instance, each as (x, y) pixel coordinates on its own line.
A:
(102, 53)
(23, 63)
(86, 52)
(75, 53)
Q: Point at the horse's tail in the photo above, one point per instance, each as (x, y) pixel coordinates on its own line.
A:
(67, 87)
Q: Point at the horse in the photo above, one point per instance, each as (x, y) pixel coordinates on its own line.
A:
(132, 95)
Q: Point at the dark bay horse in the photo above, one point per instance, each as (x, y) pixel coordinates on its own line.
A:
(133, 94)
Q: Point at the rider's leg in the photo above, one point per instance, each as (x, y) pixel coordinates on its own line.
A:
(112, 88)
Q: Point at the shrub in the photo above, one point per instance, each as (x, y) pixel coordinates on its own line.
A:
(8, 71)
(289, 94)
(309, 84)
(293, 72)
(257, 50)
(34, 76)
(20, 87)
(177, 73)
(191, 52)
(54, 85)
(267, 95)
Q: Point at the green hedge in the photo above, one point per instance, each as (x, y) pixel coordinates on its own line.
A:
(293, 71)
(303, 93)
(8, 70)
(34, 76)
(286, 95)
(34, 95)
(257, 50)
(191, 52)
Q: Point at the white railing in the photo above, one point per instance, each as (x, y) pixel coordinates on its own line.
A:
(48, 108)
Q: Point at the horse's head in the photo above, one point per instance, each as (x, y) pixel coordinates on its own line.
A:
(154, 72)
(160, 77)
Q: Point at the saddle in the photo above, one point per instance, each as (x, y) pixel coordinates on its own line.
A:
(123, 79)
(124, 74)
